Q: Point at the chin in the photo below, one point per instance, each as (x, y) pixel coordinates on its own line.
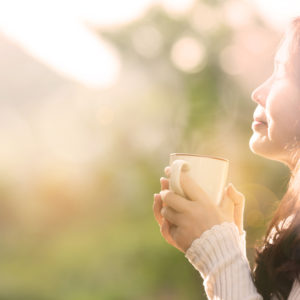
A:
(261, 148)
(255, 145)
(266, 150)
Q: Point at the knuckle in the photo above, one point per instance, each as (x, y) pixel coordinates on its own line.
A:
(163, 211)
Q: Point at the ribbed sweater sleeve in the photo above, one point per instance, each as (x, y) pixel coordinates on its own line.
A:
(220, 257)
(242, 242)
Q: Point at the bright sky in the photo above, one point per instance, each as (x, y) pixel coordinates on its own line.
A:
(55, 31)
(278, 12)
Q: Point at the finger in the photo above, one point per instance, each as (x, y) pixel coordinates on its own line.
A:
(173, 231)
(157, 206)
(164, 183)
(226, 204)
(237, 197)
(174, 201)
(239, 217)
(165, 231)
(168, 231)
(192, 190)
(168, 171)
(171, 215)
(239, 204)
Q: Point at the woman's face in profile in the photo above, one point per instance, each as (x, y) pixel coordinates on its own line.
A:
(278, 100)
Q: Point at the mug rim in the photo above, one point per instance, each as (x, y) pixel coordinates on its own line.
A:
(198, 155)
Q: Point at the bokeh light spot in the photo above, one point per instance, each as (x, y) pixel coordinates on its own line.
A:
(237, 13)
(177, 7)
(205, 18)
(188, 54)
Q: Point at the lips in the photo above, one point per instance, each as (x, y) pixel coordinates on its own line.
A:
(258, 124)
(260, 120)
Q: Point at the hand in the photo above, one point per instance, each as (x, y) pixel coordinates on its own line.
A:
(181, 220)
(164, 224)
(239, 205)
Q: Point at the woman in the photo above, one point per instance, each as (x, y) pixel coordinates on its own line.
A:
(212, 237)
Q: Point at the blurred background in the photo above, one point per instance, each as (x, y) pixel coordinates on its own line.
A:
(94, 96)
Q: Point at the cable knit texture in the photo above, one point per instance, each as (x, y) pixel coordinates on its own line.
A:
(219, 255)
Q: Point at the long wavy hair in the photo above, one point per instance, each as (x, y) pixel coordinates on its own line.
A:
(277, 260)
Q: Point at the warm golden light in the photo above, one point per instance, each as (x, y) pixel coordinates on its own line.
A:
(94, 96)
(177, 7)
(54, 34)
(188, 54)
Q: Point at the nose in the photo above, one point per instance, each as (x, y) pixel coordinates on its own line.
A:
(260, 94)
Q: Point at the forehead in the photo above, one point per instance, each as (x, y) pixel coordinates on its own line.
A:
(288, 50)
(288, 55)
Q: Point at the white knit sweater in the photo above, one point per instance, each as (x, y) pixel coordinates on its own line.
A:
(220, 257)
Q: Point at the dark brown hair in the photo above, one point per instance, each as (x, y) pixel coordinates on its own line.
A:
(277, 261)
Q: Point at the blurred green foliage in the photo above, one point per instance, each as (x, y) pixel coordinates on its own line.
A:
(112, 249)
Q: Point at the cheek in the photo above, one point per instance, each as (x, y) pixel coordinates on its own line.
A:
(284, 125)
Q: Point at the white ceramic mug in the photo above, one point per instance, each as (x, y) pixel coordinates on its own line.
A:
(209, 172)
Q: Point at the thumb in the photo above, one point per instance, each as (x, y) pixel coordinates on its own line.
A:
(192, 189)
(237, 197)
(226, 204)
(238, 200)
